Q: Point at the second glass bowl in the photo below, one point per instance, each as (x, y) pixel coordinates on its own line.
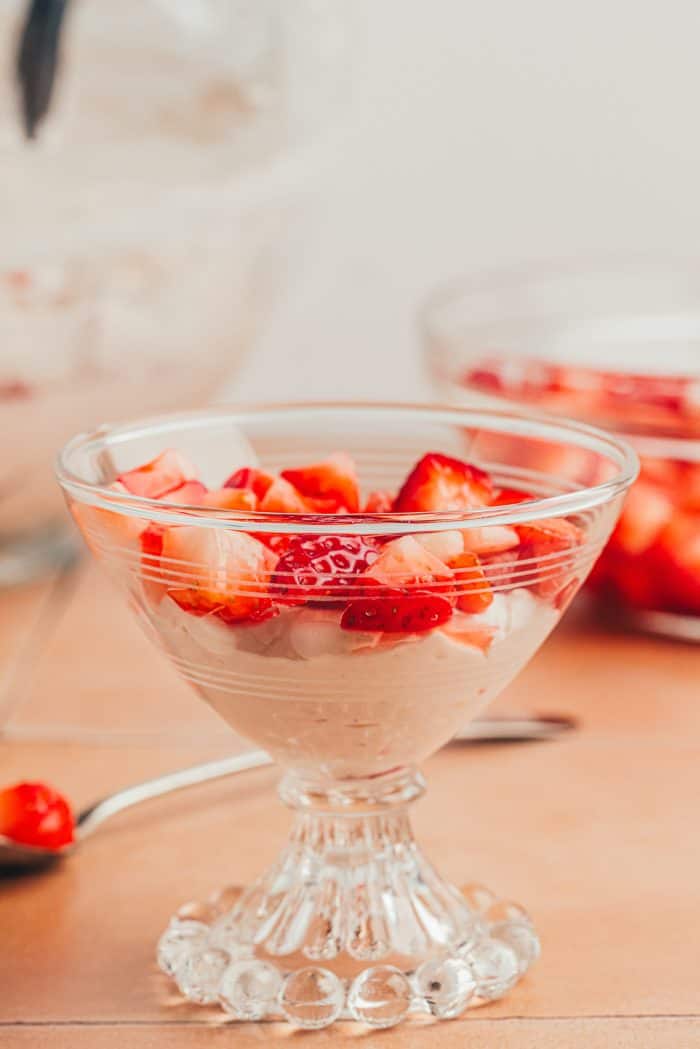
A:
(617, 345)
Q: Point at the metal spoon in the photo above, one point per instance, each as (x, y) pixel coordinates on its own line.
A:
(16, 856)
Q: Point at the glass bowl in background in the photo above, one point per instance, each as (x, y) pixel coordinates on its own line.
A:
(149, 226)
(351, 645)
(617, 345)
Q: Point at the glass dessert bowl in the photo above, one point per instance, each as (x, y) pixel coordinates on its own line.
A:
(617, 346)
(350, 632)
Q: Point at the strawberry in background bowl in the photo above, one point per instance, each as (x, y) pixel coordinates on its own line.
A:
(617, 346)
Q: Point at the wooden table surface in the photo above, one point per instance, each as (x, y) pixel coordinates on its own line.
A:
(597, 834)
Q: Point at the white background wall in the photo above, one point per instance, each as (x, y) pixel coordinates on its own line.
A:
(486, 132)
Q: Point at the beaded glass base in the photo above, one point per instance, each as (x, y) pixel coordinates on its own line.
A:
(351, 922)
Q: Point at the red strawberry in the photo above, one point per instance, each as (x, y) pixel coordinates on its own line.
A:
(646, 512)
(397, 612)
(438, 482)
(471, 584)
(283, 498)
(35, 814)
(378, 503)
(676, 561)
(546, 539)
(334, 479)
(405, 564)
(231, 499)
(493, 539)
(511, 496)
(213, 571)
(249, 477)
(191, 493)
(153, 480)
(321, 567)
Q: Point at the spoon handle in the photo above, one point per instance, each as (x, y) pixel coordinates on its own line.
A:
(97, 813)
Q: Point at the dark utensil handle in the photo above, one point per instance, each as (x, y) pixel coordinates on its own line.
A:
(38, 59)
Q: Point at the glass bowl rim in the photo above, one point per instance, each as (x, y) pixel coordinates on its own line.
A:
(162, 511)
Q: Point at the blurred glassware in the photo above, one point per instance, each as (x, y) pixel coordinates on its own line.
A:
(148, 227)
(617, 344)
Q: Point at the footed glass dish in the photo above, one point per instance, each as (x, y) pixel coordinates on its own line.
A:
(350, 632)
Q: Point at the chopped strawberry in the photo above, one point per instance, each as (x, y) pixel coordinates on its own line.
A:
(499, 569)
(511, 496)
(545, 540)
(446, 546)
(646, 512)
(167, 471)
(493, 539)
(677, 562)
(334, 479)
(479, 637)
(397, 612)
(438, 482)
(191, 493)
(321, 567)
(212, 571)
(231, 499)
(250, 477)
(283, 498)
(379, 503)
(472, 586)
(36, 814)
(404, 563)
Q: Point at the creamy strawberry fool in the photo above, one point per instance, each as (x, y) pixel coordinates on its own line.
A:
(342, 652)
(352, 704)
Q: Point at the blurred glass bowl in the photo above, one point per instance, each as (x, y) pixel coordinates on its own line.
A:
(617, 345)
(147, 228)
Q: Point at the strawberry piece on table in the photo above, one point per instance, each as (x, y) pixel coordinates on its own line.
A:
(334, 479)
(471, 585)
(250, 477)
(440, 483)
(545, 540)
(162, 475)
(36, 814)
(321, 567)
(211, 571)
(397, 612)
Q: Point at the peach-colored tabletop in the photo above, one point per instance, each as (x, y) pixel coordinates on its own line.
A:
(597, 834)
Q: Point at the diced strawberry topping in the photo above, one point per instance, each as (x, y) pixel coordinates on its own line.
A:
(446, 546)
(283, 498)
(231, 499)
(511, 496)
(676, 555)
(191, 493)
(545, 540)
(438, 482)
(493, 539)
(472, 586)
(249, 477)
(405, 564)
(321, 568)
(213, 571)
(334, 479)
(397, 612)
(379, 503)
(36, 814)
(646, 512)
(162, 475)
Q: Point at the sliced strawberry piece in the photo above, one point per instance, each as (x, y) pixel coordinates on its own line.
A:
(250, 477)
(333, 479)
(676, 557)
(212, 571)
(231, 499)
(646, 512)
(493, 539)
(379, 503)
(438, 482)
(472, 586)
(397, 612)
(153, 480)
(446, 546)
(318, 569)
(283, 498)
(191, 493)
(404, 564)
(36, 814)
(546, 539)
(511, 496)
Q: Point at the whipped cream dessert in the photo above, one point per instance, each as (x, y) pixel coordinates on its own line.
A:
(352, 704)
(347, 654)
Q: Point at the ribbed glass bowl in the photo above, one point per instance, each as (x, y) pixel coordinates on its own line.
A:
(351, 646)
